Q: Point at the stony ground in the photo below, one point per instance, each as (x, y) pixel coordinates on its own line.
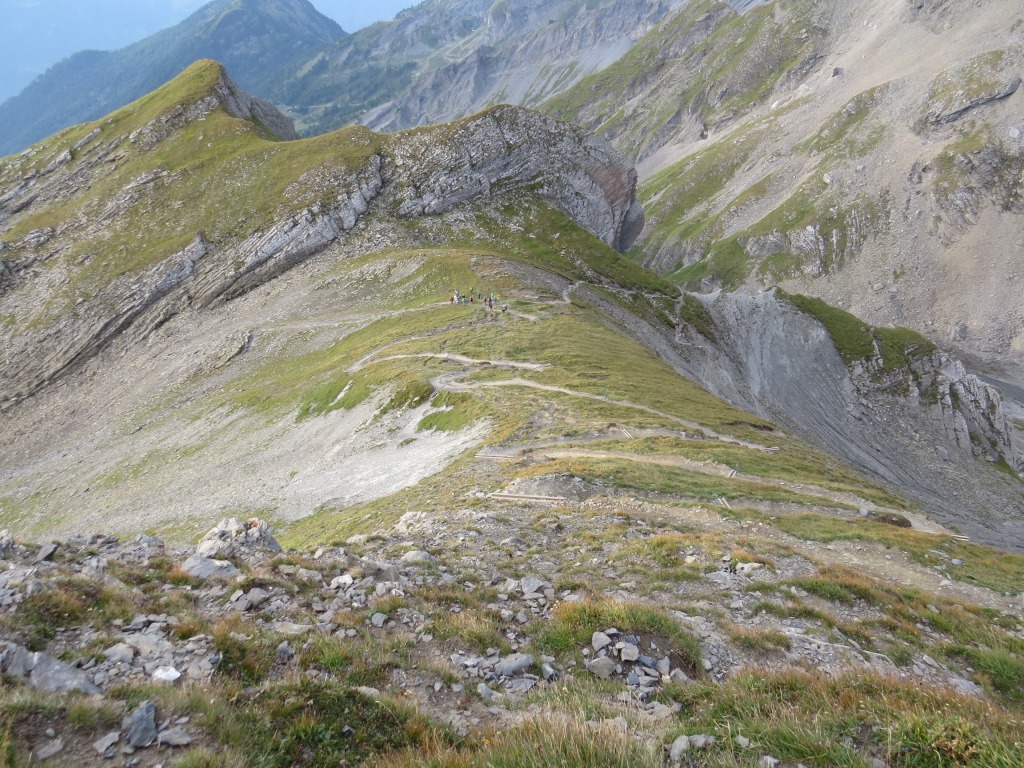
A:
(466, 614)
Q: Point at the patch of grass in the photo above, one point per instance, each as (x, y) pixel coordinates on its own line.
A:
(794, 611)
(573, 624)
(674, 481)
(70, 603)
(984, 566)
(459, 411)
(795, 461)
(476, 629)
(836, 130)
(764, 640)
(363, 660)
(811, 718)
(696, 314)
(855, 340)
(91, 715)
(323, 724)
(553, 741)
(998, 669)
(246, 656)
(210, 758)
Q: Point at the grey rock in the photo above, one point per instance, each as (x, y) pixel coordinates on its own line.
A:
(120, 654)
(514, 664)
(50, 749)
(49, 674)
(207, 568)
(602, 668)
(767, 761)
(742, 742)
(166, 674)
(485, 692)
(379, 619)
(368, 692)
(308, 574)
(232, 536)
(174, 737)
(701, 741)
(140, 726)
(966, 687)
(520, 685)
(6, 544)
(629, 652)
(532, 585)
(417, 557)
(257, 597)
(285, 653)
(16, 660)
(46, 552)
(600, 640)
(549, 672)
(679, 748)
(953, 108)
(107, 742)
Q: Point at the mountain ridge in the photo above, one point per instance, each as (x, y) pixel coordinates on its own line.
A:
(491, 154)
(247, 34)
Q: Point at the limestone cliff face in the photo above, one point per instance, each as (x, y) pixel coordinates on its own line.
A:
(921, 428)
(505, 151)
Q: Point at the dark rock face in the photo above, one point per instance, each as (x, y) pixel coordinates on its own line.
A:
(508, 149)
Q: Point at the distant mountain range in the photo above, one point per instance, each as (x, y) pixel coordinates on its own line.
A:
(439, 60)
(254, 38)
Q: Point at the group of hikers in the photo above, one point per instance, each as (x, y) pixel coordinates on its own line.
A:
(490, 301)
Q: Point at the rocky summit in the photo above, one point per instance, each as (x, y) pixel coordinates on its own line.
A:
(388, 450)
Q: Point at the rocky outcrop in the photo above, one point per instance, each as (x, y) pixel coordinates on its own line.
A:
(949, 113)
(969, 181)
(260, 111)
(926, 430)
(232, 537)
(508, 149)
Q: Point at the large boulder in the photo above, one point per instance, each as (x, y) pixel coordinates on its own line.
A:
(232, 537)
(43, 672)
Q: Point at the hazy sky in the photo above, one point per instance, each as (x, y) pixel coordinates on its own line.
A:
(35, 34)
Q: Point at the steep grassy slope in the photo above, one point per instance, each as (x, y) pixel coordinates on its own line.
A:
(796, 145)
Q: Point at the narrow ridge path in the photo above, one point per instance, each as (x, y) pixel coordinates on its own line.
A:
(714, 469)
(457, 386)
